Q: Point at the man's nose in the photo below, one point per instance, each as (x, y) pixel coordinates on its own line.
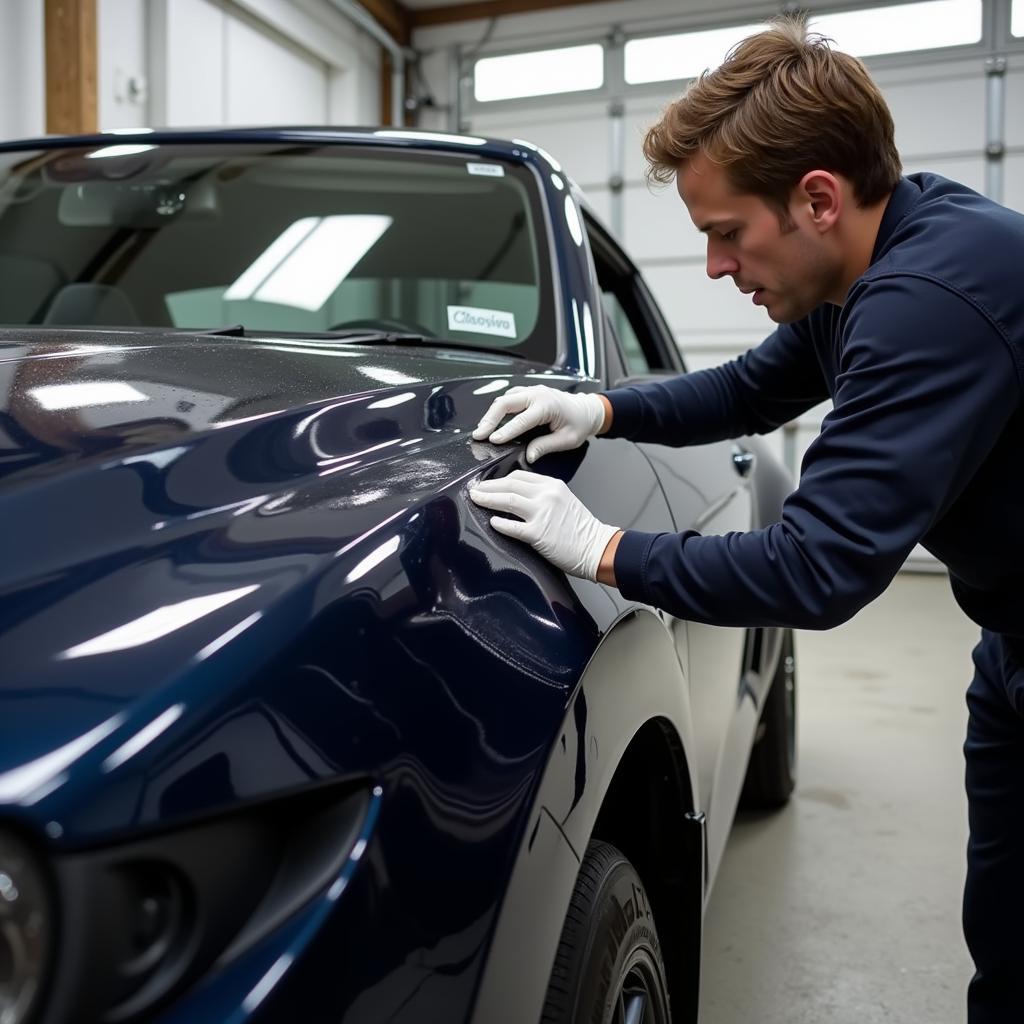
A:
(720, 264)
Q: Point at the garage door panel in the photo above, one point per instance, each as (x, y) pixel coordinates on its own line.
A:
(1013, 191)
(579, 140)
(600, 201)
(656, 225)
(636, 121)
(968, 170)
(690, 300)
(1015, 107)
(706, 348)
(960, 127)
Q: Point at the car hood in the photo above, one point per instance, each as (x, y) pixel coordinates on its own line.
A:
(166, 498)
(68, 397)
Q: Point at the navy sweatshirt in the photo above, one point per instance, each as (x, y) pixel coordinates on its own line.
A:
(925, 442)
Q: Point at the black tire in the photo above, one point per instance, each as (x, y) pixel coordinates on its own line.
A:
(609, 958)
(771, 772)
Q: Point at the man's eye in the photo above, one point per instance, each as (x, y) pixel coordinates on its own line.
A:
(731, 235)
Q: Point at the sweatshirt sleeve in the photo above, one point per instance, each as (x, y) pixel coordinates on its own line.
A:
(926, 384)
(753, 394)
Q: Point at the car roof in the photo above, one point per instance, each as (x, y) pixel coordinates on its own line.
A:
(391, 138)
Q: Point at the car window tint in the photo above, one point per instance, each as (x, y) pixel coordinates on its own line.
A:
(629, 344)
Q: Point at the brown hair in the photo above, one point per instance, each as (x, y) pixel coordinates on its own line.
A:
(783, 103)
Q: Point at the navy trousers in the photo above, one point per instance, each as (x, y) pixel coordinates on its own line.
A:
(993, 911)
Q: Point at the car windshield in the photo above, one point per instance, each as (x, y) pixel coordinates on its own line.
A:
(277, 237)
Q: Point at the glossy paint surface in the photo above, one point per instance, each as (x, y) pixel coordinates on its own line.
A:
(243, 568)
(283, 584)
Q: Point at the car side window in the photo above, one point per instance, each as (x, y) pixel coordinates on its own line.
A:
(630, 349)
(638, 330)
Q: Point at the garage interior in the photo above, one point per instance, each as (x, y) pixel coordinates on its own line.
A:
(844, 906)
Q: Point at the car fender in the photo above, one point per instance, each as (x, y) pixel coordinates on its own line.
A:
(633, 678)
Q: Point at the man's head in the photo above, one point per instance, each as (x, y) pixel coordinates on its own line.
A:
(785, 157)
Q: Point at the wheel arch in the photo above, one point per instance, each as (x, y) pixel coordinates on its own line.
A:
(627, 721)
(647, 815)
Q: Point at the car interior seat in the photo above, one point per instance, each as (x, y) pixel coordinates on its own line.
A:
(87, 303)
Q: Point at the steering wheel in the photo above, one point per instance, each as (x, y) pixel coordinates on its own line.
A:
(384, 324)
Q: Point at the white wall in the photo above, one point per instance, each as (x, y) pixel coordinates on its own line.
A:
(22, 69)
(201, 62)
(252, 62)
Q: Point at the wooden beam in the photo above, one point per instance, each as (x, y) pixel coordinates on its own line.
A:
(70, 66)
(486, 9)
(393, 17)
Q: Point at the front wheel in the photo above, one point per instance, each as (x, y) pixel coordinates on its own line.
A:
(608, 968)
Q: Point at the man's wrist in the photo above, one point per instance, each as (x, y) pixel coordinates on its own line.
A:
(607, 423)
(606, 567)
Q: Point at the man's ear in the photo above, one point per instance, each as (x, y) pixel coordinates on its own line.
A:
(821, 195)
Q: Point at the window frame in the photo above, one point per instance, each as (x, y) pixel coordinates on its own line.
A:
(613, 267)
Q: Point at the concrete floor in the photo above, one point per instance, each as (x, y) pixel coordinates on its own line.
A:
(844, 908)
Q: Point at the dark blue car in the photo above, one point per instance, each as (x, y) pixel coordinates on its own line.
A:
(288, 733)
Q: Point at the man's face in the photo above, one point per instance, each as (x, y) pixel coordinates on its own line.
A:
(789, 271)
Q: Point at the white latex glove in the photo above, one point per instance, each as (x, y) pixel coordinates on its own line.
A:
(555, 522)
(572, 419)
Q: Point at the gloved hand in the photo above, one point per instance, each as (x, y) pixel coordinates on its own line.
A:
(572, 418)
(555, 522)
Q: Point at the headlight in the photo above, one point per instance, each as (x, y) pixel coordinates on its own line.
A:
(25, 931)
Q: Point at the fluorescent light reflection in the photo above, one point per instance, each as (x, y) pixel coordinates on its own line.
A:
(86, 393)
(572, 218)
(459, 140)
(24, 783)
(579, 335)
(109, 151)
(374, 558)
(588, 337)
(264, 986)
(160, 460)
(276, 253)
(307, 262)
(393, 377)
(143, 737)
(156, 624)
(388, 403)
(226, 638)
(494, 385)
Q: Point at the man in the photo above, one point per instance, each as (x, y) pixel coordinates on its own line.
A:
(902, 300)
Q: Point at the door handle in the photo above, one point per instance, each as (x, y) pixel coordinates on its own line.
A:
(743, 460)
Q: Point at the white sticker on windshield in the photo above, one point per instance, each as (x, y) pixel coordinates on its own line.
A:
(487, 170)
(481, 321)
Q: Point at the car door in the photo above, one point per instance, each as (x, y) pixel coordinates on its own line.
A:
(708, 489)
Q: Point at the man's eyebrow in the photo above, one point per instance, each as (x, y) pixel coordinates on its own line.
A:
(705, 228)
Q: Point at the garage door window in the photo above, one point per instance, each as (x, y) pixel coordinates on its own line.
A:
(899, 28)
(540, 73)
